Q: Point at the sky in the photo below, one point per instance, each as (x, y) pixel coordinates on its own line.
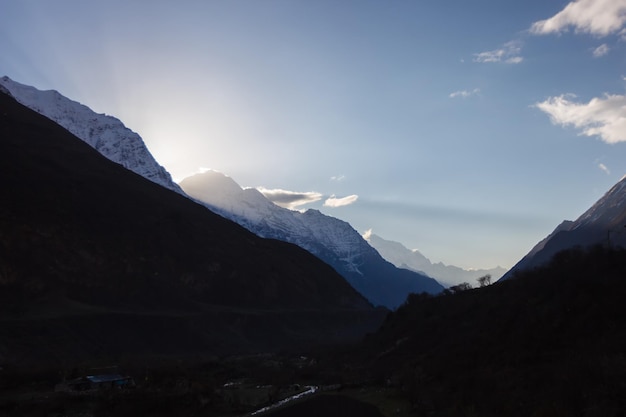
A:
(465, 129)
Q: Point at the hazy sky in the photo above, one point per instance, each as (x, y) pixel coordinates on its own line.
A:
(465, 129)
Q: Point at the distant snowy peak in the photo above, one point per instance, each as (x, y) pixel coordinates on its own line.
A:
(334, 241)
(604, 223)
(449, 275)
(106, 134)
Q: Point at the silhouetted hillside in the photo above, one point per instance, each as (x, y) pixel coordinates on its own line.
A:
(602, 224)
(550, 342)
(95, 261)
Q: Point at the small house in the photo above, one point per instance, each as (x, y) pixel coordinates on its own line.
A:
(96, 383)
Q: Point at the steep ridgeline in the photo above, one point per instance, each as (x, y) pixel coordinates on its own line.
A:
(332, 240)
(603, 224)
(96, 261)
(448, 275)
(106, 134)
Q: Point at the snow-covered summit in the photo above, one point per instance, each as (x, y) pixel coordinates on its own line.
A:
(311, 229)
(104, 133)
(332, 240)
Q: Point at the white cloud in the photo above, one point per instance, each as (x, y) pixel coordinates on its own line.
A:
(464, 93)
(601, 50)
(596, 17)
(367, 234)
(509, 54)
(338, 178)
(603, 117)
(514, 60)
(333, 201)
(290, 199)
(604, 168)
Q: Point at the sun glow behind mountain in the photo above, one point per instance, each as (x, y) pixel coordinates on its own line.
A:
(445, 138)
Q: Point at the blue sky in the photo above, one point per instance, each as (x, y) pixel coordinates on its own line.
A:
(467, 130)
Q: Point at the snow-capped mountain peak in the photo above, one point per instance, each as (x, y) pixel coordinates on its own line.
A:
(333, 240)
(330, 239)
(104, 133)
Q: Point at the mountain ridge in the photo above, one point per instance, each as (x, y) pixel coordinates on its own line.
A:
(96, 260)
(603, 223)
(331, 239)
(449, 275)
(105, 133)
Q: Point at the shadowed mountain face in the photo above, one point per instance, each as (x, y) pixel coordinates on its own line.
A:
(99, 253)
(604, 223)
(549, 343)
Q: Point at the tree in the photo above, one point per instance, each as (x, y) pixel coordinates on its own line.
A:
(464, 286)
(484, 280)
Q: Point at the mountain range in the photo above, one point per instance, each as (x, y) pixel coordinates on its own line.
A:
(98, 262)
(99, 265)
(384, 271)
(602, 224)
(332, 240)
(448, 275)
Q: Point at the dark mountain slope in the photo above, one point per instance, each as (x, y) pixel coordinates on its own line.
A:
(550, 343)
(603, 223)
(84, 241)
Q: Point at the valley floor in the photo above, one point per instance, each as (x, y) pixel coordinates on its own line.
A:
(257, 385)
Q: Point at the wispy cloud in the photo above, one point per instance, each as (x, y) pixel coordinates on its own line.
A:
(596, 17)
(333, 201)
(508, 54)
(601, 50)
(604, 117)
(604, 168)
(464, 93)
(290, 199)
(338, 178)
